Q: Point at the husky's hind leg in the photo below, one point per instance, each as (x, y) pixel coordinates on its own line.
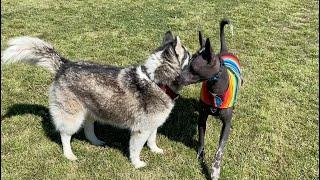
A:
(67, 114)
(152, 143)
(88, 127)
(68, 124)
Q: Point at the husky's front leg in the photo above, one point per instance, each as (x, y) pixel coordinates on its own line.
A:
(137, 140)
(152, 143)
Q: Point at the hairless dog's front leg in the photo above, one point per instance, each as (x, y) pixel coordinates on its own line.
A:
(202, 121)
(225, 117)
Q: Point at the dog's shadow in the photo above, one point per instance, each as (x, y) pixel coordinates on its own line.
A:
(114, 138)
(181, 126)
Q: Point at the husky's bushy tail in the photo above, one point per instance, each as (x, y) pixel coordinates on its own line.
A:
(34, 51)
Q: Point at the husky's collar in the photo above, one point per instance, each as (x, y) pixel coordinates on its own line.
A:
(165, 88)
(168, 91)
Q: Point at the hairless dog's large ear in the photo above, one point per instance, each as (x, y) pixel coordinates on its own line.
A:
(207, 54)
(201, 40)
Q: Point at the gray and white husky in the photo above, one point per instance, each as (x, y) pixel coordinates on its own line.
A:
(138, 98)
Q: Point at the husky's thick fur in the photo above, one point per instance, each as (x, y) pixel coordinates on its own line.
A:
(84, 92)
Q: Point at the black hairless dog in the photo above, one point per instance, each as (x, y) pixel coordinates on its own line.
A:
(221, 79)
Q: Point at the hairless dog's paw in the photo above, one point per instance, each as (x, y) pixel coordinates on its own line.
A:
(201, 153)
(215, 174)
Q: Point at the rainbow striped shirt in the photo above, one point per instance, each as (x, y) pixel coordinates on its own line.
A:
(229, 98)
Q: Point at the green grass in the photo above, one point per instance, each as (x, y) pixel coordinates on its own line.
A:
(275, 127)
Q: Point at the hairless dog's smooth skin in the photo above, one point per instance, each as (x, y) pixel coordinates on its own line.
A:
(215, 71)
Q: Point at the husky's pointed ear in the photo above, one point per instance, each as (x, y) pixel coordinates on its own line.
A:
(207, 54)
(167, 37)
(178, 46)
(178, 41)
(201, 40)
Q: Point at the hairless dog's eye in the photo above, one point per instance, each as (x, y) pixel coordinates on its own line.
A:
(192, 70)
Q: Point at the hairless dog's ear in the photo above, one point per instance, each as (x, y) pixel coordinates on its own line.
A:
(207, 54)
(201, 40)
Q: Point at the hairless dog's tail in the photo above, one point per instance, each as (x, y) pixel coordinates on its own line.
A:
(222, 40)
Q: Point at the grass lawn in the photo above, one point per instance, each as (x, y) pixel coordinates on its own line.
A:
(276, 122)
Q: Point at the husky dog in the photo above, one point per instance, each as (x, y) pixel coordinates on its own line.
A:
(138, 98)
(221, 80)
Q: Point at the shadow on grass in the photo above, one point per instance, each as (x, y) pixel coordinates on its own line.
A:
(114, 138)
(38, 110)
(205, 169)
(181, 126)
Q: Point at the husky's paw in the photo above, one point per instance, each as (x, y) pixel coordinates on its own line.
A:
(157, 150)
(139, 164)
(71, 157)
(98, 142)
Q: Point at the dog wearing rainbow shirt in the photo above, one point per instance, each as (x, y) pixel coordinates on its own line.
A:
(221, 79)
